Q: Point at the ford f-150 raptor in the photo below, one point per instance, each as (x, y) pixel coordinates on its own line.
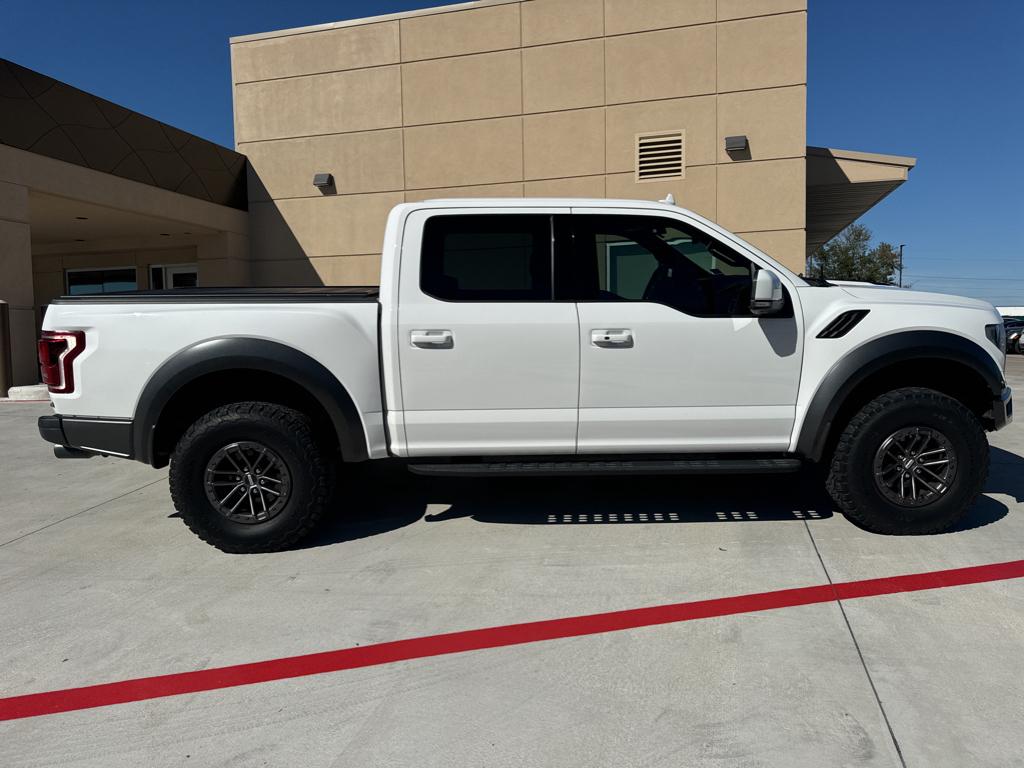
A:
(540, 337)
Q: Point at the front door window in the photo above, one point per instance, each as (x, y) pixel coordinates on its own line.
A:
(645, 258)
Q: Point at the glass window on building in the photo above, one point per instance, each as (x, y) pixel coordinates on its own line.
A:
(173, 276)
(86, 281)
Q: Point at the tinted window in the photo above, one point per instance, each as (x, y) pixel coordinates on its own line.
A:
(644, 258)
(184, 279)
(487, 258)
(88, 281)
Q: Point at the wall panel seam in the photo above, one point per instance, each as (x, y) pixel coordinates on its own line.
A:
(391, 191)
(401, 106)
(762, 231)
(718, 137)
(307, 258)
(522, 103)
(512, 48)
(507, 117)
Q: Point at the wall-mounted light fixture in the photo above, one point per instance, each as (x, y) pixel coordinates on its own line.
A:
(324, 182)
(736, 144)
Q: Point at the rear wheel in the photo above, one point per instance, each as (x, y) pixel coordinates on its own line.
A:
(912, 461)
(250, 477)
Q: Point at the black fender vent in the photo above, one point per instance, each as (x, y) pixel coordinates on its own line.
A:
(843, 324)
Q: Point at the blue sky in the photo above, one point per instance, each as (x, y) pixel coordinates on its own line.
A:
(938, 80)
(943, 82)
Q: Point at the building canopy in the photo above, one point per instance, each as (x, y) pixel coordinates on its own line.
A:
(842, 185)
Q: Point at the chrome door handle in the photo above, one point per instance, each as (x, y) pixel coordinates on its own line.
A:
(432, 339)
(618, 338)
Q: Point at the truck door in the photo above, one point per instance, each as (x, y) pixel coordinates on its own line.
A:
(671, 359)
(489, 362)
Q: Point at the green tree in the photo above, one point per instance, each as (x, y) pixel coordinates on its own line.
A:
(850, 256)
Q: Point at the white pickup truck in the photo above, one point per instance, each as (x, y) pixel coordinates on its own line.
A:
(534, 337)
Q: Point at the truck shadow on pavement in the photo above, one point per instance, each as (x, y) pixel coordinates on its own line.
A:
(389, 498)
(1005, 478)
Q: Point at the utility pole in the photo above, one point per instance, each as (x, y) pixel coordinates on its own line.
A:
(901, 264)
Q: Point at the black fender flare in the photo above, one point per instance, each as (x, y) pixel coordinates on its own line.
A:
(867, 359)
(241, 353)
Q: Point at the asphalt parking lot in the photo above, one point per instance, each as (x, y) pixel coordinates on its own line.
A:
(100, 582)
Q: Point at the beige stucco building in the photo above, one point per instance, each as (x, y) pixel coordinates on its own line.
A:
(537, 98)
(703, 99)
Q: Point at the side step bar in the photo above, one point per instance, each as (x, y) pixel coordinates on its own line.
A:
(624, 467)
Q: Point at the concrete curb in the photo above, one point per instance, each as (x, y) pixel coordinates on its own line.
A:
(32, 392)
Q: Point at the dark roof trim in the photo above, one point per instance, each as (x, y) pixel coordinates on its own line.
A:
(47, 117)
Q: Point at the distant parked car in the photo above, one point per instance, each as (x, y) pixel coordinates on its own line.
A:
(1014, 335)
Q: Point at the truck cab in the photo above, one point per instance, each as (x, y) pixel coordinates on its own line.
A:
(585, 329)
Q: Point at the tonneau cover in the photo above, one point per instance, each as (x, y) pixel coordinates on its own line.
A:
(331, 294)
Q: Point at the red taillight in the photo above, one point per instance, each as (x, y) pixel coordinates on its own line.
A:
(57, 353)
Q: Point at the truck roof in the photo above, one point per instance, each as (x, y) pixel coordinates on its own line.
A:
(667, 206)
(547, 202)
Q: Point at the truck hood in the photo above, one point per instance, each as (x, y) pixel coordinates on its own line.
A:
(889, 295)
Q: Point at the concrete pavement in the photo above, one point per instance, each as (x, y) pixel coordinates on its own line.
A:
(100, 581)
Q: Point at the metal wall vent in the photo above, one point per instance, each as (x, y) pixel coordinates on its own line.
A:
(661, 155)
(843, 324)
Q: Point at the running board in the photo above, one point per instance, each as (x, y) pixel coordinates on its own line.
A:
(634, 467)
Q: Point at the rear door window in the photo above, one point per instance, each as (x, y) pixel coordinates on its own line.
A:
(487, 257)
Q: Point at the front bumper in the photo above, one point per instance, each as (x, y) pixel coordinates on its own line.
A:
(1002, 409)
(78, 434)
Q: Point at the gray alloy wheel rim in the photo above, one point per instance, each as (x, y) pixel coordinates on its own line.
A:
(247, 482)
(915, 466)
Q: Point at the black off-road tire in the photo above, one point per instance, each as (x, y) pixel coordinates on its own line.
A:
(851, 479)
(284, 431)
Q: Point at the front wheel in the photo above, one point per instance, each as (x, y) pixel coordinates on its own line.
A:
(912, 461)
(250, 477)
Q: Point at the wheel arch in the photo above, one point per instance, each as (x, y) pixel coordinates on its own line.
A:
(938, 360)
(224, 370)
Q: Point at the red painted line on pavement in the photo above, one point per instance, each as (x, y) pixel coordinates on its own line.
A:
(70, 699)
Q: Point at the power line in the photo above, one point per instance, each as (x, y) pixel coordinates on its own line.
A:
(961, 259)
(918, 276)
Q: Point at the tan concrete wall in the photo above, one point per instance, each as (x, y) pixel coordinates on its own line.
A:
(530, 97)
(16, 283)
(224, 260)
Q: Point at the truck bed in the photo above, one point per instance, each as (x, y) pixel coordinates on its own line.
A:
(140, 340)
(326, 294)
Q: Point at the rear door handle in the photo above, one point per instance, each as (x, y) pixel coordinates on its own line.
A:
(617, 338)
(432, 339)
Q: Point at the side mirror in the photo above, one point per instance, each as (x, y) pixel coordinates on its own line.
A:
(767, 297)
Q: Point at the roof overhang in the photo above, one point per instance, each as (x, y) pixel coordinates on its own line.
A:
(842, 185)
(51, 119)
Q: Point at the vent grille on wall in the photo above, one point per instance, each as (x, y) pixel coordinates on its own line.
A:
(661, 155)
